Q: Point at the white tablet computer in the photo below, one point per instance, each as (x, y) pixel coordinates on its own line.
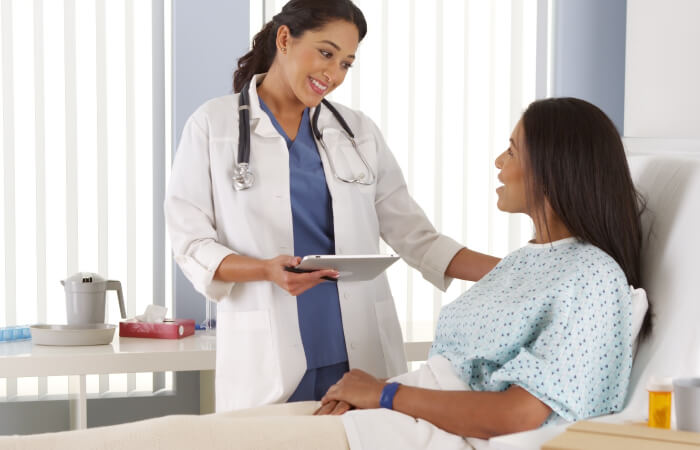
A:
(350, 267)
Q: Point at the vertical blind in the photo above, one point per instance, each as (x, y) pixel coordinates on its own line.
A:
(446, 81)
(83, 165)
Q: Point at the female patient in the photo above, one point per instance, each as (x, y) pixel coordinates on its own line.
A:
(547, 334)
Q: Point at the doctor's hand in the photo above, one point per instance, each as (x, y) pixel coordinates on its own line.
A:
(356, 388)
(294, 283)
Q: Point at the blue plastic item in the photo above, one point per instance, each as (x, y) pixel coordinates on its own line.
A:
(16, 333)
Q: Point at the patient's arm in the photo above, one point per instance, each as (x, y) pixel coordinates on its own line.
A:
(470, 265)
(465, 413)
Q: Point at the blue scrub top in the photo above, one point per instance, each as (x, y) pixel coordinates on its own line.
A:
(312, 219)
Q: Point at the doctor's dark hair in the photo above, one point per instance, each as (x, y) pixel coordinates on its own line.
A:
(576, 160)
(300, 16)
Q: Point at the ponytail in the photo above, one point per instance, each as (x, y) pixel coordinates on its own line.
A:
(259, 58)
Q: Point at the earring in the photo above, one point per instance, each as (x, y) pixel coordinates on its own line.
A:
(284, 50)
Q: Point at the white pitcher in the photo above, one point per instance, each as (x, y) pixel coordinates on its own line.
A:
(85, 298)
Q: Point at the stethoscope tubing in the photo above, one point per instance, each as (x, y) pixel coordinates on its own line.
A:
(336, 114)
(244, 126)
(243, 177)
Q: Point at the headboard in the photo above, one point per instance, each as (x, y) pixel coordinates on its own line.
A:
(670, 269)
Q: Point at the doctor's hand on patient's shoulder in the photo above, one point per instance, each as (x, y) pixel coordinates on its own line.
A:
(356, 388)
(294, 283)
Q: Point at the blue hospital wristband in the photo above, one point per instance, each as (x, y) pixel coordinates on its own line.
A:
(386, 400)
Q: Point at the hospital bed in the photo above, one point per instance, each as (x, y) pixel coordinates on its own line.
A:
(671, 185)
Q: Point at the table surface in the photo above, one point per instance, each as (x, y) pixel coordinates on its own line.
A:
(122, 355)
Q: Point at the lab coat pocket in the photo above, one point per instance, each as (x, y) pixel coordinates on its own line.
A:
(247, 360)
(391, 337)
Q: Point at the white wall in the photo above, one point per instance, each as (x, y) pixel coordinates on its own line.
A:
(662, 76)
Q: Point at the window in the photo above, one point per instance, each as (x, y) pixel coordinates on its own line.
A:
(445, 81)
(84, 165)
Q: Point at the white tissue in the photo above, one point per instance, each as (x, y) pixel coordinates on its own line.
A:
(153, 314)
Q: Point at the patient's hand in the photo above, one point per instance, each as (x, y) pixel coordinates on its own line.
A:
(357, 388)
(333, 408)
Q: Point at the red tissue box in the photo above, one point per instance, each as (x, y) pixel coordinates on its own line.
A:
(168, 329)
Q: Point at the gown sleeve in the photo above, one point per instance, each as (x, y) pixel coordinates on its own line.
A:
(579, 364)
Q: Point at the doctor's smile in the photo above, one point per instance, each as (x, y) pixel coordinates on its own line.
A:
(317, 86)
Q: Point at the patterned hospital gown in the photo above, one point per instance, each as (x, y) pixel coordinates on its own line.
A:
(555, 319)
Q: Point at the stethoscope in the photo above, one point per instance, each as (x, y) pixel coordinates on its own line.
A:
(243, 178)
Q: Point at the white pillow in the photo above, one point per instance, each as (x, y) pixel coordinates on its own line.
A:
(640, 304)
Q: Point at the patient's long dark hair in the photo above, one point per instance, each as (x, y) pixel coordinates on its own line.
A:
(577, 162)
(299, 16)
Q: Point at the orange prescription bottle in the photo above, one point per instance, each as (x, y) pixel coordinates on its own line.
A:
(660, 390)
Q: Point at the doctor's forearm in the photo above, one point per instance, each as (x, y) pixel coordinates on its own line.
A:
(470, 265)
(239, 268)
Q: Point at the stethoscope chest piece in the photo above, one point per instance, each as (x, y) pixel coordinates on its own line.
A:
(243, 178)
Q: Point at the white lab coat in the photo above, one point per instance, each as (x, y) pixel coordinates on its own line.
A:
(260, 357)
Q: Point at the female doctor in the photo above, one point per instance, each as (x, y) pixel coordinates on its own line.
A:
(319, 179)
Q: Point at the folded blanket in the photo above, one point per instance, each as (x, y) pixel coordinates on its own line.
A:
(275, 427)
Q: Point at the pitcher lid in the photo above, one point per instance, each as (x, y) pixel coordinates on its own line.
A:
(85, 277)
(85, 282)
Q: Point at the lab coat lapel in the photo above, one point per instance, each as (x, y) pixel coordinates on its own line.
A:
(342, 198)
(346, 204)
(325, 121)
(260, 122)
(330, 140)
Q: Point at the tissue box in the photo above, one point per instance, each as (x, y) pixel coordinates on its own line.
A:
(168, 329)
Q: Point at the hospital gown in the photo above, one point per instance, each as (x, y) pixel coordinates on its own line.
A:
(555, 319)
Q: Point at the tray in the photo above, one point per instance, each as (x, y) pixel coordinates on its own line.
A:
(92, 334)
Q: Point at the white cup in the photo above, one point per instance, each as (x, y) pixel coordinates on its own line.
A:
(686, 393)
